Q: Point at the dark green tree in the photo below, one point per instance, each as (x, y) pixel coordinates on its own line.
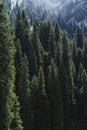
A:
(18, 28)
(18, 58)
(84, 60)
(80, 77)
(55, 99)
(74, 52)
(63, 78)
(24, 91)
(9, 106)
(58, 54)
(22, 31)
(66, 83)
(66, 58)
(84, 100)
(36, 51)
(51, 46)
(39, 102)
(57, 33)
(79, 57)
(79, 37)
(82, 97)
(44, 34)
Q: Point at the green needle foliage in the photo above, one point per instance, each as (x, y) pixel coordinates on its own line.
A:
(55, 99)
(9, 106)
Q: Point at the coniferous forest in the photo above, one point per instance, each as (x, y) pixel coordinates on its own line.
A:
(43, 75)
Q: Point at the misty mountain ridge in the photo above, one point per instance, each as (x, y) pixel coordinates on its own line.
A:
(67, 13)
(48, 4)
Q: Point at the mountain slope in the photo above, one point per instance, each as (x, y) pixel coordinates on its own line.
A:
(74, 14)
(67, 13)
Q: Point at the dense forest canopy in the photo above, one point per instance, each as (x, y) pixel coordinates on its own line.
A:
(43, 74)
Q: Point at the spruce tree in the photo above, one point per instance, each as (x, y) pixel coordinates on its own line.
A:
(74, 53)
(44, 34)
(84, 100)
(22, 31)
(24, 91)
(36, 51)
(79, 37)
(18, 26)
(57, 33)
(33, 102)
(55, 99)
(63, 78)
(18, 58)
(58, 54)
(80, 77)
(67, 64)
(79, 57)
(84, 83)
(39, 103)
(9, 106)
(82, 97)
(51, 46)
(84, 59)
(66, 82)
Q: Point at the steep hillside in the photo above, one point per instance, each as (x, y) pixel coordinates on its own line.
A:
(74, 14)
(67, 13)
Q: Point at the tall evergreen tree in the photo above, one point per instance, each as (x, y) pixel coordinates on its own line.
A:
(79, 37)
(36, 51)
(9, 107)
(84, 60)
(22, 31)
(44, 34)
(80, 77)
(82, 97)
(79, 57)
(63, 78)
(67, 64)
(74, 53)
(18, 28)
(39, 103)
(24, 91)
(52, 46)
(18, 58)
(55, 99)
(58, 54)
(57, 33)
(66, 83)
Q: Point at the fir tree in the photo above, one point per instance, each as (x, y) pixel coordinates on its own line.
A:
(36, 51)
(55, 99)
(18, 28)
(63, 78)
(18, 58)
(66, 82)
(79, 38)
(44, 34)
(24, 91)
(39, 103)
(79, 56)
(67, 64)
(22, 31)
(84, 59)
(52, 46)
(9, 106)
(74, 53)
(80, 77)
(57, 33)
